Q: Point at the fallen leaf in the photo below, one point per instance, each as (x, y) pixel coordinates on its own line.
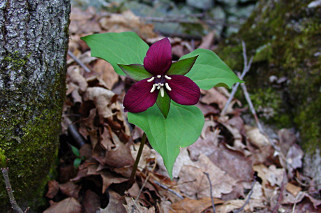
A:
(76, 77)
(136, 207)
(53, 188)
(213, 96)
(293, 189)
(106, 73)
(188, 205)
(194, 184)
(91, 202)
(101, 97)
(68, 205)
(70, 189)
(207, 40)
(115, 204)
(256, 137)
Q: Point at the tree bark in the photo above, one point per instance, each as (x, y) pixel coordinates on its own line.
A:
(33, 47)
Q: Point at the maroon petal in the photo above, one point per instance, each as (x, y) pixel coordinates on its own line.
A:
(139, 98)
(183, 90)
(158, 58)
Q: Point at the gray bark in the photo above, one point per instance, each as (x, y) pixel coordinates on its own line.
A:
(33, 47)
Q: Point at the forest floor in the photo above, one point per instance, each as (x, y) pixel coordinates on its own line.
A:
(243, 167)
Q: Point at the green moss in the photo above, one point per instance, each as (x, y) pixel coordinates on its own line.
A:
(284, 38)
(29, 134)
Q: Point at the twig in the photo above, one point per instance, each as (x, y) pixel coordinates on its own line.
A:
(170, 190)
(248, 198)
(259, 126)
(72, 130)
(141, 189)
(13, 202)
(280, 197)
(142, 143)
(211, 190)
(78, 61)
(246, 68)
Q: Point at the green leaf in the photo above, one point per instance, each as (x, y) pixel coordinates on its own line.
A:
(163, 103)
(77, 162)
(75, 151)
(181, 128)
(117, 48)
(135, 71)
(209, 70)
(182, 67)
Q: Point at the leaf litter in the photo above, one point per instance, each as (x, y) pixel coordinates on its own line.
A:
(245, 172)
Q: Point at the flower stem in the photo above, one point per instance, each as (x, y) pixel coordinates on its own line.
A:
(142, 143)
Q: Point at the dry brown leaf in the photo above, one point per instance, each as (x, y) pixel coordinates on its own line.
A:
(213, 96)
(106, 73)
(91, 202)
(256, 202)
(76, 77)
(53, 188)
(136, 207)
(68, 205)
(127, 21)
(146, 155)
(205, 144)
(188, 205)
(293, 189)
(109, 178)
(194, 184)
(101, 97)
(233, 163)
(207, 40)
(256, 137)
(270, 176)
(115, 204)
(70, 189)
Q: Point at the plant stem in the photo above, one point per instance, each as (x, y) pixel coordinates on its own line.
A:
(142, 143)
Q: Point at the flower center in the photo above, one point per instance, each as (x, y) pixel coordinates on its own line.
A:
(159, 83)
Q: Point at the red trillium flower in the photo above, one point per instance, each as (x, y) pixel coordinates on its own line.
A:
(162, 79)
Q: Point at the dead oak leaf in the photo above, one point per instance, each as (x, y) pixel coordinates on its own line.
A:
(194, 184)
(101, 98)
(68, 205)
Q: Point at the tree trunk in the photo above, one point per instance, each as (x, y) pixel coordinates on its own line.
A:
(33, 47)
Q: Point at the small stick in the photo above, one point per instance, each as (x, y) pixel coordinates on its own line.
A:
(72, 130)
(248, 198)
(13, 202)
(141, 189)
(246, 68)
(170, 190)
(78, 61)
(211, 189)
(142, 143)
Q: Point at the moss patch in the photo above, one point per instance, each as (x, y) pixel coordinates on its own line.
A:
(284, 38)
(30, 126)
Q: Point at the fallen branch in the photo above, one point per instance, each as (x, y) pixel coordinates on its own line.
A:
(13, 201)
(78, 61)
(170, 190)
(211, 190)
(246, 68)
(247, 199)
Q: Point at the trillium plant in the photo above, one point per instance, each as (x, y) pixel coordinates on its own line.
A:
(162, 100)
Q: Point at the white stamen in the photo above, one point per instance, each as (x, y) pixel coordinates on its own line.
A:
(159, 76)
(158, 86)
(161, 84)
(151, 79)
(167, 77)
(167, 87)
(162, 91)
(153, 88)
